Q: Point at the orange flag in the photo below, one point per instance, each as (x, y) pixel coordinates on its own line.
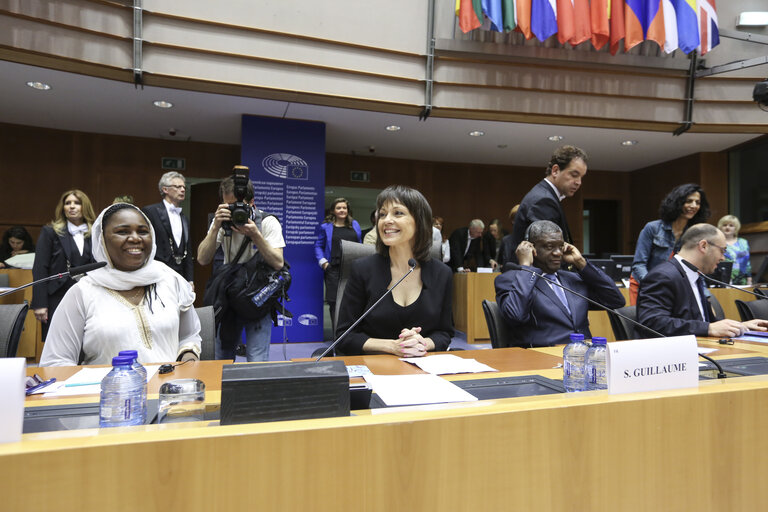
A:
(565, 26)
(524, 18)
(582, 25)
(600, 22)
(618, 30)
(467, 18)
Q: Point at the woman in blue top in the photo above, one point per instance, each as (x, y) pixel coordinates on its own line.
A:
(737, 251)
(684, 206)
(339, 226)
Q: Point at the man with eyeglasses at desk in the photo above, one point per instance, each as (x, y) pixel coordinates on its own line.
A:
(172, 226)
(542, 313)
(673, 298)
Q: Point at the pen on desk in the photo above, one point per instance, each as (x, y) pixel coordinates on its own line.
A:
(72, 385)
(41, 386)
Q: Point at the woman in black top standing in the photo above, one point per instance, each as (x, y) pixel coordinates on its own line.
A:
(338, 226)
(64, 243)
(416, 317)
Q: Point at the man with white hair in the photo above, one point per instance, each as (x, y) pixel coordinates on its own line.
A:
(467, 247)
(171, 225)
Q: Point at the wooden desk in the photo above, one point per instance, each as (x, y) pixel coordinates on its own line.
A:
(469, 291)
(644, 451)
(30, 344)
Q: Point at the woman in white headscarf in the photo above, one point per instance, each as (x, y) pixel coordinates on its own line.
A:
(134, 303)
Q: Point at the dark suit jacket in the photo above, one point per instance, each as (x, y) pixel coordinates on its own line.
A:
(369, 279)
(666, 302)
(538, 317)
(166, 245)
(52, 256)
(540, 203)
(458, 242)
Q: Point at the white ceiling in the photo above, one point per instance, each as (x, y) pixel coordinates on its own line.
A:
(87, 104)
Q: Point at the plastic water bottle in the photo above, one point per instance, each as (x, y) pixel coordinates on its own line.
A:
(265, 293)
(597, 377)
(134, 354)
(573, 363)
(121, 402)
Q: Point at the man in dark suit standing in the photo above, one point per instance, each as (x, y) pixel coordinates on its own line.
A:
(565, 171)
(172, 226)
(467, 247)
(673, 298)
(543, 314)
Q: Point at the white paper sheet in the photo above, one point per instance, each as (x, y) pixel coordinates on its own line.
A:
(12, 377)
(87, 382)
(445, 364)
(416, 389)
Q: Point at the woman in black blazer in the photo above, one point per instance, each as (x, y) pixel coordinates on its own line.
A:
(416, 317)
(64, 243)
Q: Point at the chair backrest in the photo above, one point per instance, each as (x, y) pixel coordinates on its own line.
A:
(753, 309)
(207, 333)
(500, 331)
(12, 318)
(350, 251)
(624, 329)
(717, 308)
(757, 290)
(744, 312)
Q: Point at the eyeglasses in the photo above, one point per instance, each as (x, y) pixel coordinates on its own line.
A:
(179, 187)
(722, 249)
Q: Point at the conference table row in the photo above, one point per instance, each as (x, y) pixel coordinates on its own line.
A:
(688, 449)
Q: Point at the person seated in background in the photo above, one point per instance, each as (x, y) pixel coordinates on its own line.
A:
(467, 247)
(16, 240)
(543, 314)
(492, 242)
(445, 246)
(416, 317)
(738, 250)
(673, 298)
(133, 303)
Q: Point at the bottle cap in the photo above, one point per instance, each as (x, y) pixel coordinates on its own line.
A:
(131, 353)
(577, 336)
(122, 361)
(598, 340)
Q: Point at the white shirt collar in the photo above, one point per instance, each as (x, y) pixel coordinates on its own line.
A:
(557, 192)
(171, 208)
(692, 278)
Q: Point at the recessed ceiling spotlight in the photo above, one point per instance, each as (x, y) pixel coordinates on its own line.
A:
(555, 138)
(40, 86)
(476, 133)
(628, 142)
(393, 128)
(162, 104)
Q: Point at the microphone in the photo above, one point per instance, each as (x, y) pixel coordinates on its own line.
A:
(412, 264)
(73, 271)
(729, 285)
(515, 266)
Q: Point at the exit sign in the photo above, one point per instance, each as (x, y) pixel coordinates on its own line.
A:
(363, 176)
(173, 164)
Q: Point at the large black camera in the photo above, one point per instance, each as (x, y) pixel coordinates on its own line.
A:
(240, 210)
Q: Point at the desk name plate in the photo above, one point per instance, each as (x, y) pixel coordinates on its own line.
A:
(653, 364)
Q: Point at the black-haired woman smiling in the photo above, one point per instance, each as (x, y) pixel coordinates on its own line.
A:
(134, 303)
(416, 317)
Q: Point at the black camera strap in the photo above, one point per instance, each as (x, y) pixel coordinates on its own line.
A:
(240, 251)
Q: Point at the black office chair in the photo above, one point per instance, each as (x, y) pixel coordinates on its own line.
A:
(350, 251)
(500, 330)
(752, 309)
(624, 329)
(207, 333)
(763, 292)
(12, 318)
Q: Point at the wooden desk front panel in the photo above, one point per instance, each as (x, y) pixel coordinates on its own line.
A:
(469, 291)
(30, 337)
(699, 449)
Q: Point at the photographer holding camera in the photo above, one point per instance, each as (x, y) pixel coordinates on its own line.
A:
(238, 227)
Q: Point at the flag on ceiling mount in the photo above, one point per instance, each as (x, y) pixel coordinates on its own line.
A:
(687, 28)
(600, 16)
(582, 28)
(710, 36)
(509, 15)
(469, 19)
(617, 25)
(523, 11)
(644, 21)
(492, 9)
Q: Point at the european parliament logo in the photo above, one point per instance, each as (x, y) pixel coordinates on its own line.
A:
(286, 166)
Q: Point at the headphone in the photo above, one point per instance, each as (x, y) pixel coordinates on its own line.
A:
(528, 232)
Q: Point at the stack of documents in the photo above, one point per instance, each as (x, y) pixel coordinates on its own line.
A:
(445, 364)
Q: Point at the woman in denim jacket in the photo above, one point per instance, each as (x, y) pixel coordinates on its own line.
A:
(684, 206)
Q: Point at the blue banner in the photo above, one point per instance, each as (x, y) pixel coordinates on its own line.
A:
(287, 162)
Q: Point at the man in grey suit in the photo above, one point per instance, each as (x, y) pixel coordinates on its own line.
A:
(567, 167)
(171, 225)
(542, 313)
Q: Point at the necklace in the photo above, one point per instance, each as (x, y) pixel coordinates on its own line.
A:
(134, 295)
